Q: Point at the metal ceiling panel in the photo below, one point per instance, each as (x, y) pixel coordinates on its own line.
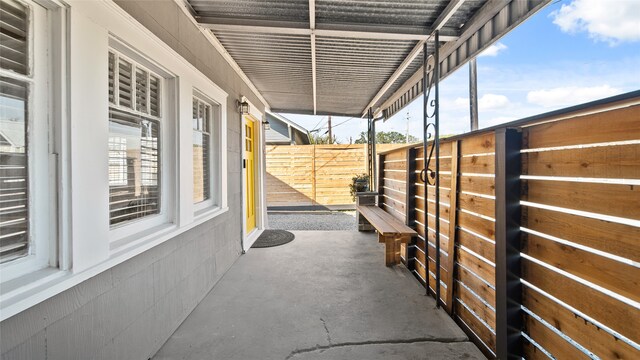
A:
(350, 71)
(278, 65)
(417, 13)
(344, 56)
(276, 10)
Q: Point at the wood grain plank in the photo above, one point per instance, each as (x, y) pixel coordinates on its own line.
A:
(621, 124)
(481, 330)
(478, 144)
(618, 162)
(550, 341)
(484, 312)
(477, 266)
(621, 278)
(611, 312)
(585, 333)
(396, 155)
(478, 225)
(478, 184)
(612, 238)
(479, 287)
(477, 245)
(477, 204)
(608, 199)
(478, 164)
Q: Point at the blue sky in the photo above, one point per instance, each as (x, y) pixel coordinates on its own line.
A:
(570, 52)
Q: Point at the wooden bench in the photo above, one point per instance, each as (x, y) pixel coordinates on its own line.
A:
(391, 231)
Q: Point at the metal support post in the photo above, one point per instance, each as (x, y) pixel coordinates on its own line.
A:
(473, 94)
(436, 143)
(425, 144)
(508, 244)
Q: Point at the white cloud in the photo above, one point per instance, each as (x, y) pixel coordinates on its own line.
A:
(610, 21)
(461, 102)
(486, 102)
(493, 102)
(569, 95)
(494, 49)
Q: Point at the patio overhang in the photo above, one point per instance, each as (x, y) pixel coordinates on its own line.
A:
(334, 57)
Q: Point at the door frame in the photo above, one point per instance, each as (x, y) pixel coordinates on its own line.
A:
(259, 182)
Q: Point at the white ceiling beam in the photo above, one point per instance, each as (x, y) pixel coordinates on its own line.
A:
(312, 26)
(342, 31)
(446, 14)
(312, 14)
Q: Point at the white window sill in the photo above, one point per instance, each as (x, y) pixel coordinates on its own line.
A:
(30, 289)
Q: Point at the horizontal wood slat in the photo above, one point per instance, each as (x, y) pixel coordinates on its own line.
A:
(475, 283)
(474, 264)
(478, 164)
(614, 162)
(621, 278)
(611, 312)
(477, 184)
(609, 199)
(550, 341)
(612, 238)
(481, 330)
(483, 143)
(585, 333)
(621, 124)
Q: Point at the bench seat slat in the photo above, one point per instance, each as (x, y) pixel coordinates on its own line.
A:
(384, 222)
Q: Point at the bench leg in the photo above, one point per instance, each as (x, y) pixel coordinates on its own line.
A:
(391, 249)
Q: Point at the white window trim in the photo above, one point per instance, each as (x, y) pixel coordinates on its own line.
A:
(42, 204)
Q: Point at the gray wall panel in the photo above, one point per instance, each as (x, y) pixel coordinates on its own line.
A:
(129, 311)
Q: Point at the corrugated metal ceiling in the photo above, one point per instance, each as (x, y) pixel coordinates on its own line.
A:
(357, 45)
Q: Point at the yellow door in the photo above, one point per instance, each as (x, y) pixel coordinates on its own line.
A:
(249, 155)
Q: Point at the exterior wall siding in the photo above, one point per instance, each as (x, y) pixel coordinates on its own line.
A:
(130, 310)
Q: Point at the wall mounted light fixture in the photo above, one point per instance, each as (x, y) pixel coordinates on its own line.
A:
(243, 107)
(266, 125)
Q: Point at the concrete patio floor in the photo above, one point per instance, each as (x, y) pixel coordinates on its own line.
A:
(325, 295)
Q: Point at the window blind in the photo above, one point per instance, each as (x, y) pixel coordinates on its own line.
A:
(14, 223)
(14, 35)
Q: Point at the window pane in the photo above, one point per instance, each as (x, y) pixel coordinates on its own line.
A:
(141, 91)
(201, 152)
(13, 36)
(134, 165)
(125, 84)
(14, 225)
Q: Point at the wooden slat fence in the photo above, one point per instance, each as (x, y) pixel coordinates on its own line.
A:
(300, 175)
(577, 270)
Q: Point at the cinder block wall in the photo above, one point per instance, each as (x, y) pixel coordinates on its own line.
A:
(129, 311)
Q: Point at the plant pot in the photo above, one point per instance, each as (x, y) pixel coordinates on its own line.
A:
(361, 186)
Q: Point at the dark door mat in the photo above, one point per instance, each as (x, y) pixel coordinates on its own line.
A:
(270, 238)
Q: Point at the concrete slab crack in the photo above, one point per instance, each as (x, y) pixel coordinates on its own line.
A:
(324, 323)
(372, 342)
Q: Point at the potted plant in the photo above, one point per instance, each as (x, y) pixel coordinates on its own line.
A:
(359, 183)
